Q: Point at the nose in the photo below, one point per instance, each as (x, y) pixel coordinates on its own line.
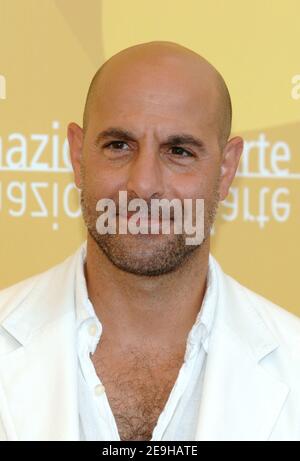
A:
(145, 178)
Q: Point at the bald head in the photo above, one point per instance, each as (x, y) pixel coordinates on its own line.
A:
(158, 55)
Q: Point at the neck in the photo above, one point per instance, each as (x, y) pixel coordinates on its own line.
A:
(143, 311)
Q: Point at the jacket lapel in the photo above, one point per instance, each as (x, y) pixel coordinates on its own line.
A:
(38, 375)
(241, 400)
(39, 384)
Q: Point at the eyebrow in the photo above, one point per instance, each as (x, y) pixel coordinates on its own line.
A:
(125, 135)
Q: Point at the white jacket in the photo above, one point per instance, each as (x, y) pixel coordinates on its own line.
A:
(252, 379)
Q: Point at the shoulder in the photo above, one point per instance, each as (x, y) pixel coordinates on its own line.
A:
(43, 282)
(284, 325)
(279, 318)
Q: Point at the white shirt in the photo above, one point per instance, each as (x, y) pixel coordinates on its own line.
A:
(180, 415)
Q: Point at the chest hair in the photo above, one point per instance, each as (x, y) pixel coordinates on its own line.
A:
(138, 385)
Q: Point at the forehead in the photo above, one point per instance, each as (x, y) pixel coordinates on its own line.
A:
(165, 90)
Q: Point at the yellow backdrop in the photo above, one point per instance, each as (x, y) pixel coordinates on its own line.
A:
(49, 51)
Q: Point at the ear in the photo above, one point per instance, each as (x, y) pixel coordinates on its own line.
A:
(75, 138)
(230, 161)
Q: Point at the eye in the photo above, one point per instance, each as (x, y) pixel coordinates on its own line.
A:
(116, 145)
(180, 152)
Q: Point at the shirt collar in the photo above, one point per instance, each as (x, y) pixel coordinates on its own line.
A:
(83, 306)
(201, 330)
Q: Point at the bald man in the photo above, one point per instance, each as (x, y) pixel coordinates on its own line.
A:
(142, 336)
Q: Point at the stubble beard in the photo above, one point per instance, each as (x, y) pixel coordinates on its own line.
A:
(144, 255)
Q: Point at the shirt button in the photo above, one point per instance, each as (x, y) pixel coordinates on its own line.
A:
(93, 329)
(99, 389)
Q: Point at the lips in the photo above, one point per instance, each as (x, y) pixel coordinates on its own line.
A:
(144, 218)
(145, 225)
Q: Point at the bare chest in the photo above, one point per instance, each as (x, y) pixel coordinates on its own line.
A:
(137, 386)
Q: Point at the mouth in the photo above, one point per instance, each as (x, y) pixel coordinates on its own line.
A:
(129, 214)
(146, 224)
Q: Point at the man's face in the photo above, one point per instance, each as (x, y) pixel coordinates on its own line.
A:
(153, 103)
